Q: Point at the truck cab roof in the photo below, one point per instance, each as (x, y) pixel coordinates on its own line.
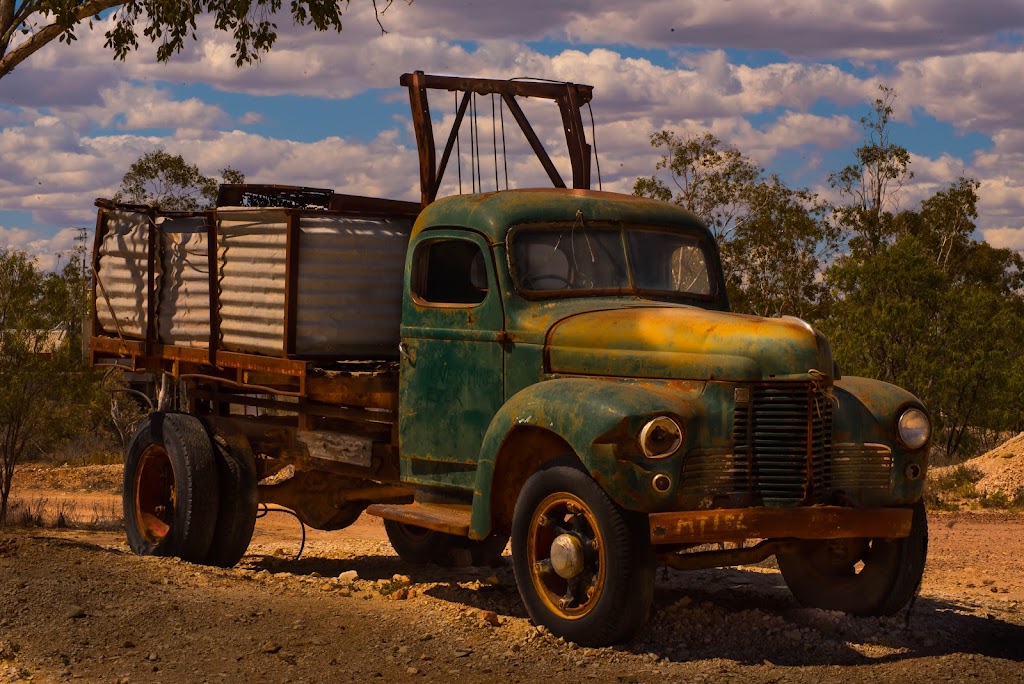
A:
(493, 213)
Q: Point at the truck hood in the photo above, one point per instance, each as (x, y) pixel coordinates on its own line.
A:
(686, 343)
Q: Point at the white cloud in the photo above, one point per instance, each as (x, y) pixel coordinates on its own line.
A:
(970, 90)
(49, 252)
(871, 29)
(1005, 238)
(73, 119)
(149, 107)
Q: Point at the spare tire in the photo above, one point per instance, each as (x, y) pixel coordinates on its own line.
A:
(171, 492)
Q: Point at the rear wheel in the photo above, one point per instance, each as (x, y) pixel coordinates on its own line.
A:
(418, 545)
(170, 488)
(584, 566)
(859, 576)
(487, 552)
(236, 516)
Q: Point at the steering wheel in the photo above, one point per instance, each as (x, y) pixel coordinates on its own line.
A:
(530, 282)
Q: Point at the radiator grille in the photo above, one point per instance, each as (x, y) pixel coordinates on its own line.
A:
(782, 436)
(854, 470)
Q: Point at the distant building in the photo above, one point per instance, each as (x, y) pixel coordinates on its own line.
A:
(43, 343)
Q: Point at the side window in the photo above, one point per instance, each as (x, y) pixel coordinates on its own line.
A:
(450, 272)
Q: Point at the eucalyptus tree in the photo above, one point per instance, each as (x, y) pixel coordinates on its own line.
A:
(26, 26)
(938, 311)
(46, 393)
(166, 180)
(872, 183)
(774, 240)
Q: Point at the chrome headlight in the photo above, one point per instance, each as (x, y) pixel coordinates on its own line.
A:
(914, 428)
(661, 437)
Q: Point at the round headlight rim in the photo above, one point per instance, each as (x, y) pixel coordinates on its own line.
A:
(908, 410)
(651, 425)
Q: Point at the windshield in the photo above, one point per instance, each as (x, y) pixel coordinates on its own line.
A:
(623, 259)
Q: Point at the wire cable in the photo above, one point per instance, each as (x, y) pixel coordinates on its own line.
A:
(593, 137)
(494, 140)
(266, 509)
(458, 137)
(472, 141)
(476, 133)
(504, 150)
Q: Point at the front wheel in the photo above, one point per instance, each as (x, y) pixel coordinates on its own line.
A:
(171, 488)
(584, 566)
(859, 576)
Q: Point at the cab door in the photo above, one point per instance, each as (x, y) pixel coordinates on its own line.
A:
(452, 364)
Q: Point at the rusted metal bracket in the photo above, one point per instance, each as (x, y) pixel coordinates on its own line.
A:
(748, 555)
(569, 97)
(447, 518)
(804, 522)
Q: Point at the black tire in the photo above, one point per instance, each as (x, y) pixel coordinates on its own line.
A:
(860, 577)
(486, 552)
(236, 516)
(170, 488)
(608, 593)
(420, 546)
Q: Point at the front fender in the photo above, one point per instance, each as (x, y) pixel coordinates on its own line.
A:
(866, 413)
(599, 419)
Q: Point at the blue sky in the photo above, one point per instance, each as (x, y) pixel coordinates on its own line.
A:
(784, 81)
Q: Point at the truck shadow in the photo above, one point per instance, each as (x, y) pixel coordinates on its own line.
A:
(749, 616)
(746, 615)
(485, 588)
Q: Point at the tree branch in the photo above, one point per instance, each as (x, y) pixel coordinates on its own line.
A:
(11, 18)
(48, 33)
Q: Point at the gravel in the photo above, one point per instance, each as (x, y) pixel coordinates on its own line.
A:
(76, 605)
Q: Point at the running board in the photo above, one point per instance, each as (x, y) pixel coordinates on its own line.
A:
(447, 518)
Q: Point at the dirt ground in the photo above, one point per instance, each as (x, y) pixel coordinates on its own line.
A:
(76, 605)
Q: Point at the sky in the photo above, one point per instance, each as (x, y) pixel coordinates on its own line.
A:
(784, 81)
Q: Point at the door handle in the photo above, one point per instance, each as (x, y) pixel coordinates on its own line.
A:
(403, 349)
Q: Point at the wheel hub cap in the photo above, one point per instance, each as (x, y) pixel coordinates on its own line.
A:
(567, 556)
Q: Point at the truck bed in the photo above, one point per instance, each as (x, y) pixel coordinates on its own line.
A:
(294, 291)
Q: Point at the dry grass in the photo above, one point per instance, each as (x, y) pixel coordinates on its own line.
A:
(63, 514)
(955, 488)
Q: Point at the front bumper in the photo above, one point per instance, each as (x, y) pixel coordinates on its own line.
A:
(810, 522)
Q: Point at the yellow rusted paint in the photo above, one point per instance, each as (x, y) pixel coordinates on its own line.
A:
(685, 342)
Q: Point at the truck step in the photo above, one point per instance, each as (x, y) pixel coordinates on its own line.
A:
(447, 518)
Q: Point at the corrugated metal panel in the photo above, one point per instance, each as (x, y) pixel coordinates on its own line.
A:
(251, 250)
(350, 285)
(123, 272)
(183, 313)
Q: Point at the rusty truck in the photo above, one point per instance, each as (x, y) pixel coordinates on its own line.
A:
(555, 366)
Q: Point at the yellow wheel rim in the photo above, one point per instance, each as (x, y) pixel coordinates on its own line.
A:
(154, 494)
(566, 555)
